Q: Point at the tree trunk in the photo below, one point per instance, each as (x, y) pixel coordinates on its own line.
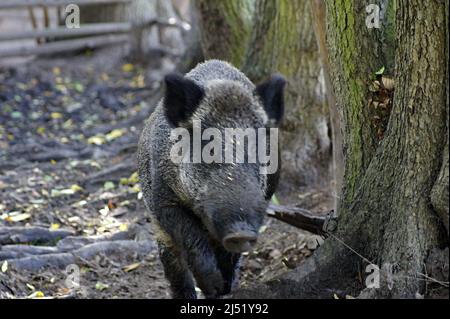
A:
(392, 180)
(320, 25)
(225, 28)
(388, 217)
(281, 40)
(194, 52)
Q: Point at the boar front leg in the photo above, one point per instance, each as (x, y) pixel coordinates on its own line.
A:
(229, 266)
(177, 272)
(192, 241)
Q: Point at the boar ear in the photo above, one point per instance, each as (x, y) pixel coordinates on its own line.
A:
(271, 94)
(182, 96)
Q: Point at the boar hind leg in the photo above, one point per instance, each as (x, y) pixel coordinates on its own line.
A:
(177, 273)
(228, 264)
(191, 239)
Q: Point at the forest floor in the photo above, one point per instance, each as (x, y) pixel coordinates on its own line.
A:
(69, 193)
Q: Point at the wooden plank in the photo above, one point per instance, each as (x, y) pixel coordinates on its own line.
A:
(11, 4)
(65, 46)
(86, 29)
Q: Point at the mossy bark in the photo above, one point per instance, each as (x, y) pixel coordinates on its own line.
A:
(386, 214)
(320, 24)
(393, 187)
(263, 37)
(225, 28)
(283, 41)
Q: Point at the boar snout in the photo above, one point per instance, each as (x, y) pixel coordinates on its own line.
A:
(240, 241)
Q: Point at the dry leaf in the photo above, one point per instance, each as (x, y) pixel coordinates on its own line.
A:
(131, 267)
(5, 266)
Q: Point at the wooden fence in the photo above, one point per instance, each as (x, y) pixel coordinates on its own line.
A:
(87, 36)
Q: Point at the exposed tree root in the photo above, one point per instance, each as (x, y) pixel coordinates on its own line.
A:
(70, 249)
(20, 235)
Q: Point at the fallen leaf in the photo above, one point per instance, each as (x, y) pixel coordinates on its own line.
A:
(19, 217)
(56, 70)
(79, 87)
(31, 287)
(76, 188)
(380, 71)
(134, 178)
(104, 211)
(131, 267)
(101, 286)
(5, 266)
(36, 295)
(56, 115)
(16, 115)
(275, 200)
(114, 134)
(41, 130)
(128, 67)
(108, 185)
(262, 229)
(96, 140)
(123, 227)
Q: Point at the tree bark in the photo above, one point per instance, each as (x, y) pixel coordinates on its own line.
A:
(283, 41)
(225, 28)
(279, 38)
(319, 13)
(386, 212)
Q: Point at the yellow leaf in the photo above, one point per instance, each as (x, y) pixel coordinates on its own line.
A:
(127, 67)
(53, 161)
(123, 227)
(131, 267)
(97, 140)
(108, 185)
(56, 115)
(36, 294)
(134, 178)
(56, 70)
(19, 217)
(101, 286)
(101, 230)
(5, 266)
(41, 130)
(104, 211)
(114, 134)
(54, 226)
(135, 189)
(76, 188)
(39, 294)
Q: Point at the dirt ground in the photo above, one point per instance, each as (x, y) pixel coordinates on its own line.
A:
(68, 132)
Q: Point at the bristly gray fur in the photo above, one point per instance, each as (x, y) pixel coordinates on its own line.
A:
(194, 205)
